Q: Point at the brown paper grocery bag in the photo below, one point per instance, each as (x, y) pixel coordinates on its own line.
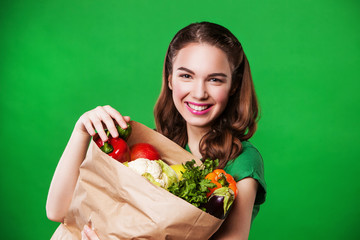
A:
(120, 204)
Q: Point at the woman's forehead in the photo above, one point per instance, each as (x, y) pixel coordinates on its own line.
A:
(202, 57)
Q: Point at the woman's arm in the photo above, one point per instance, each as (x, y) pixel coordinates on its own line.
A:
(237, 223)
(65, 176)
(67, 171)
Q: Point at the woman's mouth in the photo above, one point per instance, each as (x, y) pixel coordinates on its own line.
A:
(197, 108)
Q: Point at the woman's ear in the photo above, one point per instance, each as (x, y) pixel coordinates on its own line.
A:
(170, 82)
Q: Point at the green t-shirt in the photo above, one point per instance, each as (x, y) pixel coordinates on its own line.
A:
(248, 164)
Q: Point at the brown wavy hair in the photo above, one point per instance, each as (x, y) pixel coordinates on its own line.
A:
(238, 122)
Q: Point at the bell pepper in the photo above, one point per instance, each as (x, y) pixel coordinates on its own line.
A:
(116, 148)
(221, 179)
(124, 133)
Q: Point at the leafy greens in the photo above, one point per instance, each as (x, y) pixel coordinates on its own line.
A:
(193, 187)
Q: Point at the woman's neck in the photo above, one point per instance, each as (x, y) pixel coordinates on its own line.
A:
(194, 136)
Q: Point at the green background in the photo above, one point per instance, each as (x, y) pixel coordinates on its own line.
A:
(60, 59)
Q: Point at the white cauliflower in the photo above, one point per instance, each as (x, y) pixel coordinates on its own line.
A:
(157, 172)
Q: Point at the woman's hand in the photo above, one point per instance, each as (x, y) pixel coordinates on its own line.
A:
(67, 172)
(88, 234)
(99, 119)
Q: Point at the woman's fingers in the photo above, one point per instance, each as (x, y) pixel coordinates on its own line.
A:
(83, 236)
(88, 125)
(127, 118)
(89, 234)
(108, 120)
(99, 128)
(101, 118)
(122, 121)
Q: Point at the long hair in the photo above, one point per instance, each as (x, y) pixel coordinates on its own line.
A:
(237, 122)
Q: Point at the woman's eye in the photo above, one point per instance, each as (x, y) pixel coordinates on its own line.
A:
(185, 76)
(215, 80)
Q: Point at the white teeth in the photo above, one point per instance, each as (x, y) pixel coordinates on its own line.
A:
(198, 108)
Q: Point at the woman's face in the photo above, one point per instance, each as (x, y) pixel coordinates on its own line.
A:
(200, 83)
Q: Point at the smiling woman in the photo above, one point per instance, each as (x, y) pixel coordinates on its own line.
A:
(207, 105)
(210, 85)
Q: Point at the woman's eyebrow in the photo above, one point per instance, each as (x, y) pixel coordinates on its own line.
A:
(186, 70)
(210, 75)
(218, 75)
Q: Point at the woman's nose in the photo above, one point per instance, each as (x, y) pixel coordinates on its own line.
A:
(200, 91)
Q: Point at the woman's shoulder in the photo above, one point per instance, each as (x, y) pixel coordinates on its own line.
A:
(250, 155)
(248, 164)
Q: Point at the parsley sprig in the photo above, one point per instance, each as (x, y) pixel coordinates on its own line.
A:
(193, 187)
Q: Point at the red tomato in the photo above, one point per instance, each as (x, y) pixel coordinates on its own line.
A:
(144, 150)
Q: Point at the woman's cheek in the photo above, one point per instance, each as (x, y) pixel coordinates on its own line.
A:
(180, 91)
(221, 95)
